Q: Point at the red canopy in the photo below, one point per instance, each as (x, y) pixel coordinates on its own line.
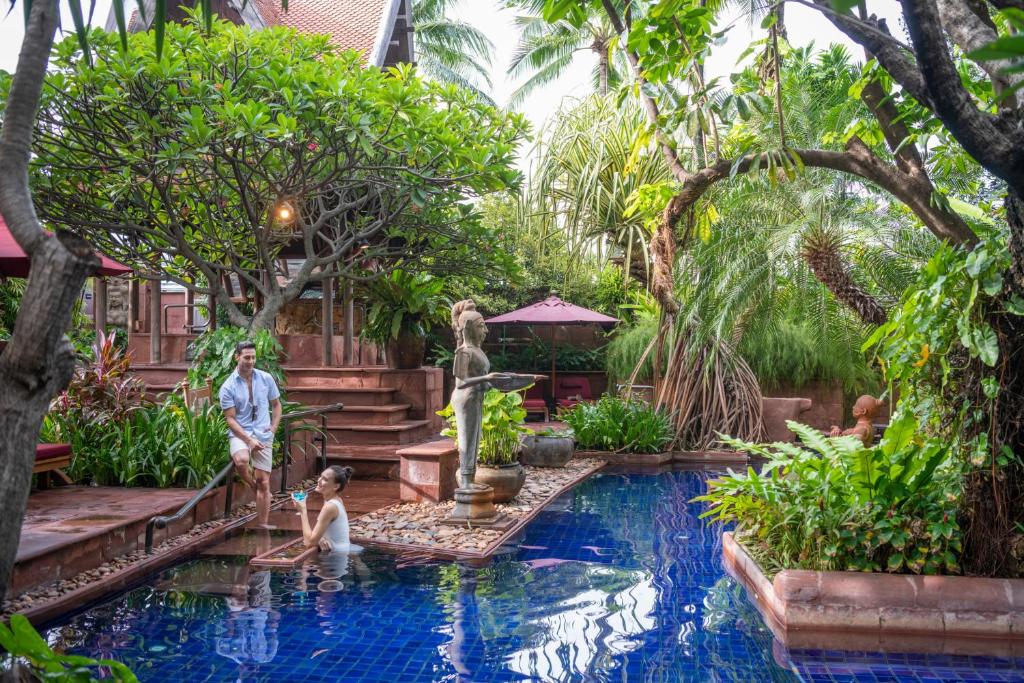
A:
(14, 263)
(552, 311)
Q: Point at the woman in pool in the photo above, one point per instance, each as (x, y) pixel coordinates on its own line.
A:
(331, 530)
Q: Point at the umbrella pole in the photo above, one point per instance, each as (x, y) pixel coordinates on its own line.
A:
(554, 336)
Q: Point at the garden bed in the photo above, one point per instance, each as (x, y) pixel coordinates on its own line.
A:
(856, 611)
(419, 527)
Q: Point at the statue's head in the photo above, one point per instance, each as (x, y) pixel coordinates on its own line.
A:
(458, 309)
(867, 406)
(472, 327)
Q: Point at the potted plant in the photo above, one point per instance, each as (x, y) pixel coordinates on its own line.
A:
(402, 306)
(547, 448)
(498, 460)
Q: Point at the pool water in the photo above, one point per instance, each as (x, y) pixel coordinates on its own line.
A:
(617, 580)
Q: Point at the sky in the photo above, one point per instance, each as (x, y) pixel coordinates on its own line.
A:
(804, 25)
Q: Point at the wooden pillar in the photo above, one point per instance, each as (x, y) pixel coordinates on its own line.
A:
(327, 317)
(154, 321)
(350, 318)
(99, 305)
(133, 306)
(190, 311)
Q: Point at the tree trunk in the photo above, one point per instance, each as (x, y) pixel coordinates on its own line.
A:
(602, 66)
(38, 361)
(994, 496)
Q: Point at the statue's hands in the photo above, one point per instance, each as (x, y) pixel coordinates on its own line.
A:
(836, 431)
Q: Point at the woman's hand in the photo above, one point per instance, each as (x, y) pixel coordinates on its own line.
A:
(300, 505)
(325, 545)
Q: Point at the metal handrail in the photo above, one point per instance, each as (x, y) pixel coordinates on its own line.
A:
(161, 521)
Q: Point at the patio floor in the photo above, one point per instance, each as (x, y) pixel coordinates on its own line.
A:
(72, 529)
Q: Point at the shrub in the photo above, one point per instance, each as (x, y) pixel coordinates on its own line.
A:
(836, 505)
(502, 425)
(615, 424)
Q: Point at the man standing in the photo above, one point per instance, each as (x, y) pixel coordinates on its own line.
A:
(246, 399)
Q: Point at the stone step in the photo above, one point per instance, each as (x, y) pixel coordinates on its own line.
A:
(367, 461)
(393, 413)
(405, 432)
(350, 396)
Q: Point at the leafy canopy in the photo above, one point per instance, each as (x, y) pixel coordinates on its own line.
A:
(237, 142)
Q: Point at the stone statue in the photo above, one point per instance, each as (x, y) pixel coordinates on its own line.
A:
(865, 410)
(472, 380)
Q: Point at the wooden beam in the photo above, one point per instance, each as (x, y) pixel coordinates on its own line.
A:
(154, 321)
(349, 353)
(190, 311)
(99, 305)
(327, 326)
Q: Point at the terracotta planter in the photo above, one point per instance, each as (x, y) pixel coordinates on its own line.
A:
(506, 480)
(546, 451)
(406, 352)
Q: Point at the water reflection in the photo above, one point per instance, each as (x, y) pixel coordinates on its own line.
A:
(620, 581)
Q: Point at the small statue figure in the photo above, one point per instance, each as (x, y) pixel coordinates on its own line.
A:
(865, 410)
(472, 380)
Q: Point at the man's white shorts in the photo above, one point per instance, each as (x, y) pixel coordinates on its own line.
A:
(262, 459)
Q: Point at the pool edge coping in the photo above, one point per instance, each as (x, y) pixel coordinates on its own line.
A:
(858, 611)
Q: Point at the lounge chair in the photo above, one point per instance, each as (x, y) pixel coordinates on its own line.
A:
(571, 390)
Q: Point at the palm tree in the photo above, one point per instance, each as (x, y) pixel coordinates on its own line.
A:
(546, 50)
(451, 51)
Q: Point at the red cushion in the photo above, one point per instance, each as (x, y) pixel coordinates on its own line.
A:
(49, 451)
(534, 403)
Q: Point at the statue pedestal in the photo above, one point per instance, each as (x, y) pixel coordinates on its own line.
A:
(474, 507)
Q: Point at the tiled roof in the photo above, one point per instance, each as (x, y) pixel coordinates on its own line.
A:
(351, 24)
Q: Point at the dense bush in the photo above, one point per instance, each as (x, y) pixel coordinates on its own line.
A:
(161, 445)
(615, 424)
(836, 505)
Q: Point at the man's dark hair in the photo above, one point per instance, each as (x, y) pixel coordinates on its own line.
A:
(243, 345)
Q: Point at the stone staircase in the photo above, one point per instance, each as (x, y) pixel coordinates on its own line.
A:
(385, 410)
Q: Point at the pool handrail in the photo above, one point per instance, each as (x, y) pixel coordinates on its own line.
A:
(161, 521)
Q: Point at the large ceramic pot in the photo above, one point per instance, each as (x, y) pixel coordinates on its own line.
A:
(546, 451)
(406, 352)
(506, 480)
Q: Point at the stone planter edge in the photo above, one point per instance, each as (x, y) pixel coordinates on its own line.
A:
(884, 612)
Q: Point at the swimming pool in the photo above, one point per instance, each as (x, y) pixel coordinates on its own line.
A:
(617, 580)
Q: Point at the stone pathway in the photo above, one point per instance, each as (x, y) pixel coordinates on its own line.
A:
(420, 524)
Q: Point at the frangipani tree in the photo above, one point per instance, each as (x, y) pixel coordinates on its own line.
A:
(236, 143)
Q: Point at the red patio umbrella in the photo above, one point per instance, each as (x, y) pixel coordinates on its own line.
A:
(14, 262)
(553, 311)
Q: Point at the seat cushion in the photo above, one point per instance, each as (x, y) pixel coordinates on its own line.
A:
(49, 451)
(534, 403)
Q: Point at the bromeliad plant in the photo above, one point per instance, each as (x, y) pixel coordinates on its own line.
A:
(832, 504)
(616, 424)
(503, 420)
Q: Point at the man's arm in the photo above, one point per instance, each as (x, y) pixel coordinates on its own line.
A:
(275, 419)
(236, 429)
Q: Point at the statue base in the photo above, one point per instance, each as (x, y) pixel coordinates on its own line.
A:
(474, 507)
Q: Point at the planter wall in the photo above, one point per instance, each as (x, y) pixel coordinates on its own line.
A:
(884, 612)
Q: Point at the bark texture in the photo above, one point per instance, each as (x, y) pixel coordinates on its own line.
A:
(37, 362)
(822, 252)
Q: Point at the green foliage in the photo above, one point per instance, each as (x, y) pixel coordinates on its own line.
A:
(835, 505)
(503, 417)
(615, 424)
(404, 303)
(628, 346)
(536, 357)
(373, 161)
(22, 641)
(161, 445)
(11, 291)
(214, 354)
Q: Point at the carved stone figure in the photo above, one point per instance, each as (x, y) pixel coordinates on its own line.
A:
(865, 410)
(472, 380)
